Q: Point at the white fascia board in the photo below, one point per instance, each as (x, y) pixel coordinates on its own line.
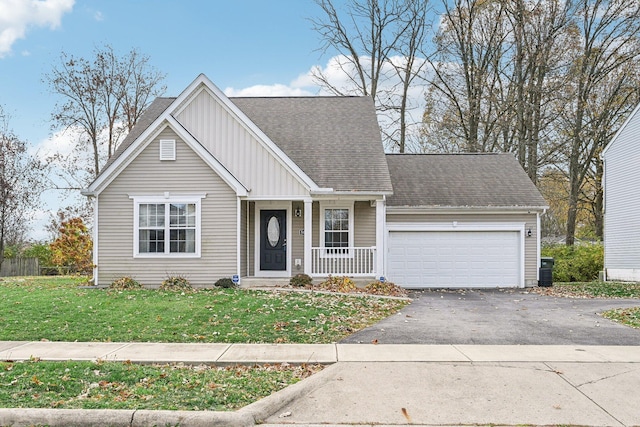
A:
(456, 226)
(207, 157)
(332, 192)
(411, 210)
(620, 130)
(289, 164)
(149, 136)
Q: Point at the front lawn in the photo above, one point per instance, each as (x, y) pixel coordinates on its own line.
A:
(42, 308)
(625, 316)
(112, 385)
(591, 290)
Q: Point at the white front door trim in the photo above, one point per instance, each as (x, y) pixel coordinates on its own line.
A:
(268, 205)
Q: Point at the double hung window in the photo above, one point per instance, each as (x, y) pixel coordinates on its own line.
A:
(170, 228)
(337, 229)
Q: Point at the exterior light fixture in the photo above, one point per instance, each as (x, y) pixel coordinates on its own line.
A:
(529, 233)
(298, 212)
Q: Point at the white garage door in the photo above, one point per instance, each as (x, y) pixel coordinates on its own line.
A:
(456, 259)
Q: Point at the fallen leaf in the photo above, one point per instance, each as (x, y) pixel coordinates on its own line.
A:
(374, 342)
(406, 414)
(284, 415)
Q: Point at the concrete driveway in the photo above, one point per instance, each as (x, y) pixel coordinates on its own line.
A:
(501, 317)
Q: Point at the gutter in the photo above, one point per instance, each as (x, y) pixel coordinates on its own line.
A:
(463, 209)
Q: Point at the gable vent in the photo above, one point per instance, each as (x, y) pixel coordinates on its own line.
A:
(167, 149)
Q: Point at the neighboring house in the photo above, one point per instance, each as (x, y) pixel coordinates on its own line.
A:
(207, 186)
(621, 176)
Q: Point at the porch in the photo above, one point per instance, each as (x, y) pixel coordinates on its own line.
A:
(280, 239)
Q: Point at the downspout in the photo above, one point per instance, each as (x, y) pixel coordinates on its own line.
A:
(248, 247)
(238, 237)
(538, 250)
(95, 241)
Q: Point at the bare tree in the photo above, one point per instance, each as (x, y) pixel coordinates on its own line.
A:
(467, 67)
(20, 185)
(102, 97)
(367, 34)
(606, 43)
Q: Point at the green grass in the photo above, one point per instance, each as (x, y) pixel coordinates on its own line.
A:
(90, 385)
(593, 290)
(57, 310)
(625, 316)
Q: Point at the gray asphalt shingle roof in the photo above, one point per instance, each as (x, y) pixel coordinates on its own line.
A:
(334, 140)
(460, 180)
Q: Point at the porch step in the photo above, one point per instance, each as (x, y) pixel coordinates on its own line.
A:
(263, 282)
(267, 282)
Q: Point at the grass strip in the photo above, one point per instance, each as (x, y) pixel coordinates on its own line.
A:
(112, 385)
(34, 309)
(592, 290)
(625, 316)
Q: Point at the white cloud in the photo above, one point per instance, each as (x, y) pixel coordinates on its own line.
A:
(17, 16)
(342, 75)
(98, 16)
(62, 142)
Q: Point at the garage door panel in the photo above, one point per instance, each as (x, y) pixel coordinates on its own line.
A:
(422, 259)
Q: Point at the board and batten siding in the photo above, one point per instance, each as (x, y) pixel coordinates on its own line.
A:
(148, 175)
(531, 261)
(237, 149)
(622, 199)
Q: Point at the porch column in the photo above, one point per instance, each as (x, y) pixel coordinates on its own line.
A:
(380, 248)
(308, 211)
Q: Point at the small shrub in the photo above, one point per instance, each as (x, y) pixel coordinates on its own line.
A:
(301, 280)
(225, 283)
(385, 288)
(125, 283)
(339, 284)
(176, 284)
(579, 263)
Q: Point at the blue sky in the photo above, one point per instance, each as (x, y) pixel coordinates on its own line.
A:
(238, 44)
(246, 47)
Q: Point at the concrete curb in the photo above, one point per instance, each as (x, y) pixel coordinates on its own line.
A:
(250, 415)
(270, 405)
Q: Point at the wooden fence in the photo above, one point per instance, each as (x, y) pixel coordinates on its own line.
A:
(20, 267)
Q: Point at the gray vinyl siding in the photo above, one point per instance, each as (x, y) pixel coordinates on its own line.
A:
(622, 198)
(147, 175)
(315, 225)
(243, 238)
(364, 224)
(297, 239)
(234, 146)
(531, 263)
(252, 239)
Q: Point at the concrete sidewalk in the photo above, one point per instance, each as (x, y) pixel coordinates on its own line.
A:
(382, 384)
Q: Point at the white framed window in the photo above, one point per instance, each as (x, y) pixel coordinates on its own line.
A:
(167, 226)
(336, 228)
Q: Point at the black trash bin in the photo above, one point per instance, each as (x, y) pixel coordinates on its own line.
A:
(546, 271)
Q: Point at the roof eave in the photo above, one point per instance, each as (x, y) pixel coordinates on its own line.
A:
(464, 209)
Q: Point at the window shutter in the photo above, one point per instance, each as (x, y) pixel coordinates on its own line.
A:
(167, 149)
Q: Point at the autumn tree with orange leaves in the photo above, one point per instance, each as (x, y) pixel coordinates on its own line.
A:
(73, 247)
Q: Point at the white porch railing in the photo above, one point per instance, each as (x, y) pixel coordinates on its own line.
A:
(343, 261)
